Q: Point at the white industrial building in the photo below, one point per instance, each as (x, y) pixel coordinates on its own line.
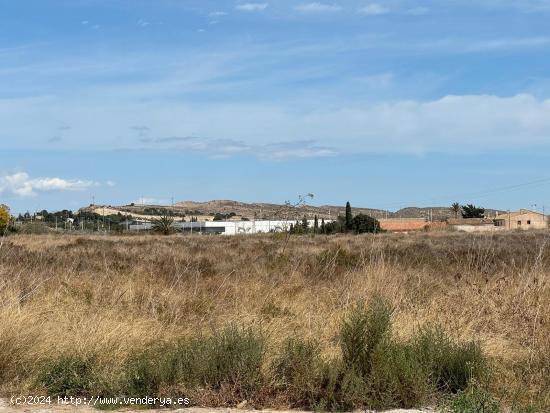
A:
(228, 227)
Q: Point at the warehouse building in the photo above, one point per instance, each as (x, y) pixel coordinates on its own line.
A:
(226, 227)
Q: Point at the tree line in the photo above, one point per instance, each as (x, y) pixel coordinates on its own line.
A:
(467, 211)
(349, 223)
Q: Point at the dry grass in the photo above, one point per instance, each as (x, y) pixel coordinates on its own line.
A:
(115, 296)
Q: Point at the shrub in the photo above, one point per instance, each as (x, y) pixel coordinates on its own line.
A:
(362, 223)
(473, 400)
(297, 371)
(164, 225)
(397, 377)
(362, 332)
(379, 371)
(451, 366)
(332, 388)
(234, 357)
(143, 374)
(4, 218)
(69, 375)
(229, 360)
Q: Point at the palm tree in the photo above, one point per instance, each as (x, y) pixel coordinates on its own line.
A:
(455, 207)
(164, 225)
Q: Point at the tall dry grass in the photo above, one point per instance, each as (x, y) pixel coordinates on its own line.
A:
(113, 297)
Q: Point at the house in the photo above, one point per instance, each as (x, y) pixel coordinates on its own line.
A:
(522, 219)
(473, 225)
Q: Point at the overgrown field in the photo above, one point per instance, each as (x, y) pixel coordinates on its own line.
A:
(331, 323)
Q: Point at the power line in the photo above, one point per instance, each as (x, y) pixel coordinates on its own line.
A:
(478, 194)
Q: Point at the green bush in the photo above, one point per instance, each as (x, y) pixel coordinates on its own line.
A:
(234, 356)
(397, 378)
(361, 334)
(69, 375)
(451, 365)
(143, 373)
(229, 360)
(473, 400)
(375, 370)
(297, 371)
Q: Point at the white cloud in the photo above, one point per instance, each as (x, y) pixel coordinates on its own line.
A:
(316, 7)
(468, 123)
(294, 150)
(251, 6)
(21, 184)
(374, 9)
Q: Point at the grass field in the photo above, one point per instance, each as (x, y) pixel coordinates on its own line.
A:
(321, 322)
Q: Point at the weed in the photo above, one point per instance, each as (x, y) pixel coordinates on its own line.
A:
(362, 332)
(451, 366)
(69, 375)
(473, 400)
(297, 371)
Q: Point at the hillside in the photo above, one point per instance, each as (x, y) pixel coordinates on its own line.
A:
(260, 210)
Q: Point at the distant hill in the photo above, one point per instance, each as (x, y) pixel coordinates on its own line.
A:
(260, 210)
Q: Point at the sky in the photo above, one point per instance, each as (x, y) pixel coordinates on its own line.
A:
(386, 104)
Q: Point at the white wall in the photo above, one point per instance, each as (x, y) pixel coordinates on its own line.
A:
(477, 228)
(254, 227)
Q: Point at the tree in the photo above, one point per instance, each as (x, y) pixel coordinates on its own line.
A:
(164, 225)
(4, 218)
(363, 223)
(316, 225)
(455, 207)
(323, 229)
(305, 224)
(349, 218)
(471, 211)
(297, 227)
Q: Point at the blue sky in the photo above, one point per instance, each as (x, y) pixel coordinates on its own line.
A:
(383, 103)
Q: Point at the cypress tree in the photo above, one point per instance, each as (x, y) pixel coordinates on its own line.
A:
(349, 218)
(316, 225)
(305, 224)
(323, 229)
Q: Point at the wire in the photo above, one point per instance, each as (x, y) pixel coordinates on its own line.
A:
(478, 194)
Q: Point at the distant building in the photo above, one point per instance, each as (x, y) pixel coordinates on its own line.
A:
(473, 225)
(226, 227)
(238, 227)
(522, 219)
(403, 224)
